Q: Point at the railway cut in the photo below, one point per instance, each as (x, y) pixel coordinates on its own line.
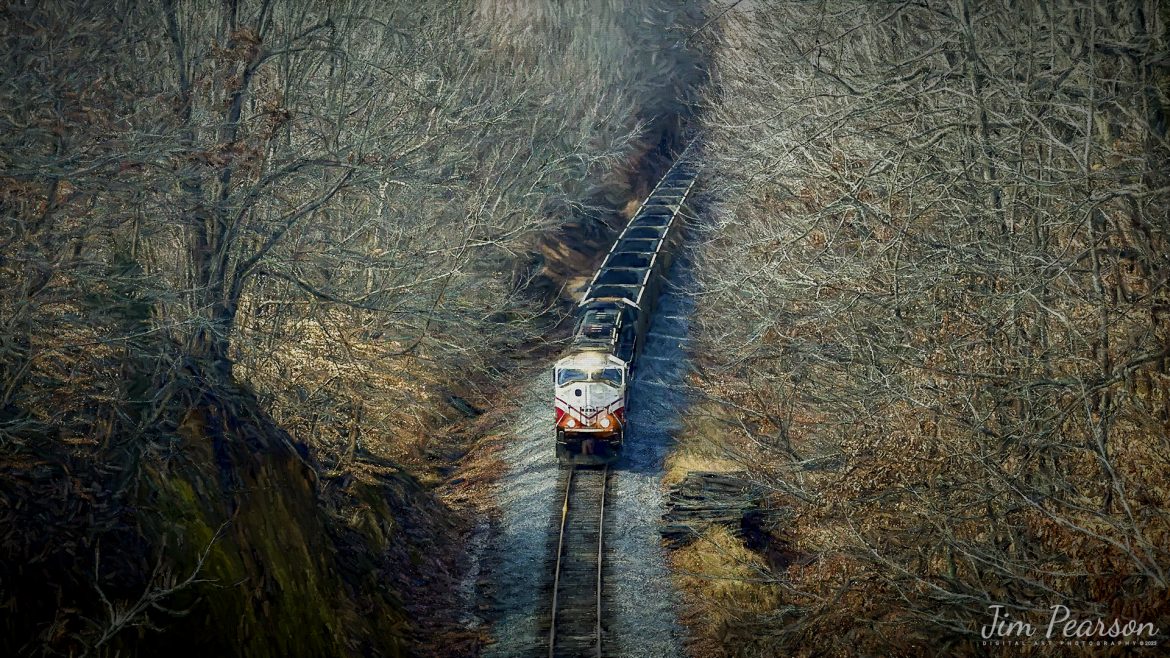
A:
(591, 383)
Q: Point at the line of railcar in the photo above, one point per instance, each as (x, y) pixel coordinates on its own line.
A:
(591, 382)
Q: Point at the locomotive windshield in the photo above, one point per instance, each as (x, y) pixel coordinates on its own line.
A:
(611, 376)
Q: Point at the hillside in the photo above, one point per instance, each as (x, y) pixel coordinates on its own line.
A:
(934, 323)
(257, 258)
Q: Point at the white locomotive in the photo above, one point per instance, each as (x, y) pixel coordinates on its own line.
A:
(592, 382)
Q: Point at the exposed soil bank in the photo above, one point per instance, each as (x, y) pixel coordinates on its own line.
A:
(226, 542)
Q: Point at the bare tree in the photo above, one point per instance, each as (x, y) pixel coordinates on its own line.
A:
(224, 220)
(934, 308)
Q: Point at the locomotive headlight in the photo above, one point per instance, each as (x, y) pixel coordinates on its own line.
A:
(571, 423)
(605, 422)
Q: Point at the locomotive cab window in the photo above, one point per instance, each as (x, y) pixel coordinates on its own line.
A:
(611, 376)
(567, 375)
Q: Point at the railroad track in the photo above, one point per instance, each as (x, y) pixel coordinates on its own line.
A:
(576, 616)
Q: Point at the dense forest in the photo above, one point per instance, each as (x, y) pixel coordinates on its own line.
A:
(935, 318)
(251, 252)
(257, 257)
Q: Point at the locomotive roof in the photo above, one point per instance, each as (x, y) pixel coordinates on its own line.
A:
(598, 327)
(598, 319)
(589, 360)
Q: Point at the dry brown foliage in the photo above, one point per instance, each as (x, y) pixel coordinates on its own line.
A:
(935, 312)
(248, 252)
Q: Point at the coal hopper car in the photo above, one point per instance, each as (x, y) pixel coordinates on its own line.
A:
(592, 381)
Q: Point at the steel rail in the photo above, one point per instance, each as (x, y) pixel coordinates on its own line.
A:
(600, 546)
(552, 631)
(597, 629)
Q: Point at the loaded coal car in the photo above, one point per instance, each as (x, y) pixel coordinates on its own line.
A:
(591, 382)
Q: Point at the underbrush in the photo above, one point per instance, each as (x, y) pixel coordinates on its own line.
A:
(701, 446)
(728, 591)
(933, 321)
(258, 258)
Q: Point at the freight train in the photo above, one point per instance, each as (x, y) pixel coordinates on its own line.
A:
(592, 382)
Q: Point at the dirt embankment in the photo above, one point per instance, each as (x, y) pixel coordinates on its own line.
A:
(222, 539)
